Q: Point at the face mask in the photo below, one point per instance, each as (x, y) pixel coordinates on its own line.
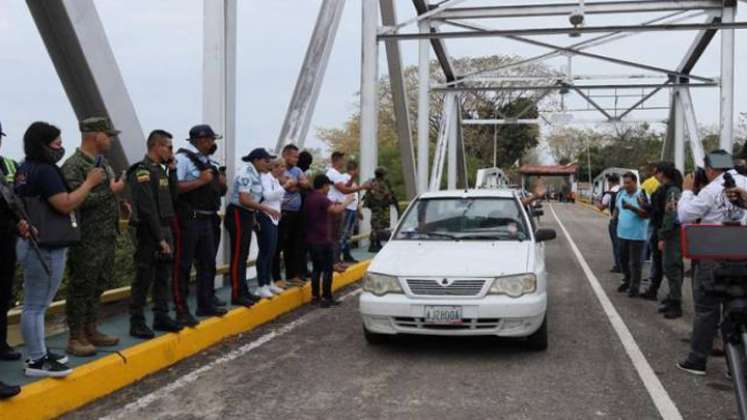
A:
(53, 155)
(213, 149)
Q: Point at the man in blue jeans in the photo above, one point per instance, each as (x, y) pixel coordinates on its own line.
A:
(632, 231)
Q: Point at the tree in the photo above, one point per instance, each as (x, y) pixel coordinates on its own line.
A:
(513, 141)
(566, 144)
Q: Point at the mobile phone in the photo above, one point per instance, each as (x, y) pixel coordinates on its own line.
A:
(99, 161)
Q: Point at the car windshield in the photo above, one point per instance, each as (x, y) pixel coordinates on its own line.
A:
(463, 219)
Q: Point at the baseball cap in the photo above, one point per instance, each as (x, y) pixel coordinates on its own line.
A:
(98, 125)
(719, 160)
(258, 153)
(321, 180)
(203, 130)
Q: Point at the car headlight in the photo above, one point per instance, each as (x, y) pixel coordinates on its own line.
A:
(514, 286)
(380, 284)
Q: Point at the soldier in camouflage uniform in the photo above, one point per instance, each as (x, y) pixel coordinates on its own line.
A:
(669, 243)
(153, 189)
(379, 199)
(92, 259)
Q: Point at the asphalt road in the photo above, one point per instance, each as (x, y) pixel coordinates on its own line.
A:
(315, 363)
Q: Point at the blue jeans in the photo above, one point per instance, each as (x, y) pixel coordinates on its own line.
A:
(348, 227)
(612, 227)
(267, 238)
(38, 291)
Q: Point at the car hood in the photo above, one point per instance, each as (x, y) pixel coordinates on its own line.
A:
(453, 258)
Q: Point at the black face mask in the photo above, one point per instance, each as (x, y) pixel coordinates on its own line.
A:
(53, 155)
(212, 150)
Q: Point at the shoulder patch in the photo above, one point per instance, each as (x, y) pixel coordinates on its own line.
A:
(142, 175)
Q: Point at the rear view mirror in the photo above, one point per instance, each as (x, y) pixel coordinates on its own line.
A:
(542, 235)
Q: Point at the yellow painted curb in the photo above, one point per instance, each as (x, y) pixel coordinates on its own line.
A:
(589, 206)
(51, 398)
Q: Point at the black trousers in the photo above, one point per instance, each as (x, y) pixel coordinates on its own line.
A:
(239, 222)
(322, 257)
(7, 273)
(194, 239)
(630, 258)
(291, 244)
(150, 273)
(657, 261)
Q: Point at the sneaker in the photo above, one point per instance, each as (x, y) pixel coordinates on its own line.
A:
(59, 358)
(650, 294)
(673, 312)
(140, 330)
(634, 293)
(244, 301)
(275, 289)
(623, 287)
(211, 311)
(265, 293)
(46, 367)
(166, 324)
(694, 368)
(8, 353)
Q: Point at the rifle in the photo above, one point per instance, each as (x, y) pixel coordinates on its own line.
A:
(16, 206)
(394, 199)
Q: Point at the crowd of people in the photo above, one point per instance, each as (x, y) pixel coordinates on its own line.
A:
(645, 224)
(69, 217)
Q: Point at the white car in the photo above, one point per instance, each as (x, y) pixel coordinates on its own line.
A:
(460, 263)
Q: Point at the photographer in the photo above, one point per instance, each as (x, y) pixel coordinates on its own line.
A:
(712, 205)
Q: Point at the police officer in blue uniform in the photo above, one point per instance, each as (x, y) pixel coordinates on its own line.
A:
(199, 187)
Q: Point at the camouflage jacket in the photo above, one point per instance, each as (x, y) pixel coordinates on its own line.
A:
(380, 195)
(670, 225)
(99, 213)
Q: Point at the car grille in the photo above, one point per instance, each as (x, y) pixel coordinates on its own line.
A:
(467, 324)
(425, 287)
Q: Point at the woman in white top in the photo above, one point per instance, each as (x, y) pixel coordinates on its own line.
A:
(267, 227)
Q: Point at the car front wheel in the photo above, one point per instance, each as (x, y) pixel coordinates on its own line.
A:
(538, 340)
(374, 339)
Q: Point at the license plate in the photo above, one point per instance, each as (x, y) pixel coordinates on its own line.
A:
(443, 314)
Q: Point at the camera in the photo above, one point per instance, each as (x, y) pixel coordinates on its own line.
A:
(577, 17)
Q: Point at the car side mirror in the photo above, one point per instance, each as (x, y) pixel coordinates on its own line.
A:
(538, 212)
(542, 235)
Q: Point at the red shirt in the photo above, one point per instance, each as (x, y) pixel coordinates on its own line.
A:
(317, 219)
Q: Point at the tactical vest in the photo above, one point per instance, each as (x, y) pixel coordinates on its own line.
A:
(160, 188)
(205, 198)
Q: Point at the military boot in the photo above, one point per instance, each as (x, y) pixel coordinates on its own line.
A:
(78, 344)
(99, 339)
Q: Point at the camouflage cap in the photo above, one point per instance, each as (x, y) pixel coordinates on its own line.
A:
(98, 124)
(380, 172)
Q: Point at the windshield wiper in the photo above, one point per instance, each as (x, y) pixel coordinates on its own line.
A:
(440, 235)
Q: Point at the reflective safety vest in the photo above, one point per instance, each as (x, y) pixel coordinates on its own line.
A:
(9, 169)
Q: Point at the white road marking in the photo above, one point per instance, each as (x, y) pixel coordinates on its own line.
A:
(168, 390)
(667, 409)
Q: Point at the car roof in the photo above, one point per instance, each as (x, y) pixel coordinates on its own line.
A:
(479, 193)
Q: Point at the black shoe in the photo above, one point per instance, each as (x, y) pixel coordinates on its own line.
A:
(8, 391)
(315, 300)
(615, 270)
(328, 303)
(8, 353)
(673, 312)
(212, 311)
(245, 301)
(663, 306)
(349, 259)
(694, 368)
(216, 301)
(140, 330)
(59, 358)
(47, 367)
(186, 319)
(166, 324)
(623, 287)
(650, 294)
(634, 292)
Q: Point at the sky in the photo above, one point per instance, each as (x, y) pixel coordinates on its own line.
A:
(158, 47)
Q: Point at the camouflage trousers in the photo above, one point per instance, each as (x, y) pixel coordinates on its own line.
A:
(379, 224)
(90, 265)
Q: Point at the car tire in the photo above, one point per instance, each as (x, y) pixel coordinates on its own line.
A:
(374, 339)
(538, 340)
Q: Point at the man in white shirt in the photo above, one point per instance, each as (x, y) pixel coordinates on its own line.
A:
(710, 206)
(336, 195)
